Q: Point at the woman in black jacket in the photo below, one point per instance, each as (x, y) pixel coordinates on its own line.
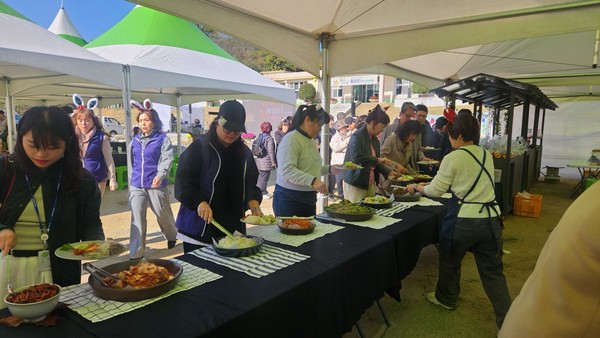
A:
(363, 150)
(216, 179)
(48, 200)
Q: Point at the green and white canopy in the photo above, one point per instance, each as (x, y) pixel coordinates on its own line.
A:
(64, 27)
(180, 61)
(32, 57)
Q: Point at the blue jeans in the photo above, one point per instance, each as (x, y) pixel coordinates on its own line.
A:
(287, 202)
(483, 237)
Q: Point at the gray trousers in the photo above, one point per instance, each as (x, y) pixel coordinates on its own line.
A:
(483, 237)
(139, 198)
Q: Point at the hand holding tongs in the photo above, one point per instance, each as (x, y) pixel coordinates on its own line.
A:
(98, 273)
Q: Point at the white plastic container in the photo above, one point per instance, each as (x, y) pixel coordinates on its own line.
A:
(497, 175)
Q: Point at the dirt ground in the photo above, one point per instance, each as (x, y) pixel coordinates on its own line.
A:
(524, 238)
(413, 316)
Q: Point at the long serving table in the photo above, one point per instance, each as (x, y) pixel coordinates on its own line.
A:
(322, 296)
(586, 170)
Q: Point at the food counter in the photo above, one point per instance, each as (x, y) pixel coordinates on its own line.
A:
(322, 296)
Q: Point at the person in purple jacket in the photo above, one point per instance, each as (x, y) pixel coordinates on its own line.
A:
(216, 179)
(151, 158)
(96, 153)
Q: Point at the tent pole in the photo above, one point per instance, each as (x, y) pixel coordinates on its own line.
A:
(127, 110)
(178, 124)
(100, 108)
(10, 115)
(326, 104)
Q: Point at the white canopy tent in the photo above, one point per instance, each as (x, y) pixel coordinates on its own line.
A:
(64, 27)
(42, 76)
(31, 56)
(549, 43)
(172, 58)
(435, 40)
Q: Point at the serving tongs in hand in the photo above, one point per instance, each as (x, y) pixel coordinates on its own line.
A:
(99, 273)
(222, 228)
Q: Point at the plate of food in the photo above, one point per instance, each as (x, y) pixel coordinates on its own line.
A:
(401, 195)
(296, 225)
(137, 280)
(348, 165)
(430, 162)
(428, 148)
(349, 211)
(90, 250)
(422, 178)
(260, 220)
(377, 202)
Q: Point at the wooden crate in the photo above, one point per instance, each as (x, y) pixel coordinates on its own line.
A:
(527, 205)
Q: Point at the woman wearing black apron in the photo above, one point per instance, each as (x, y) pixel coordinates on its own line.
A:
(473, 221)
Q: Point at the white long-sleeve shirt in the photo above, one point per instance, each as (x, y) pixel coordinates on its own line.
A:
(457, 173)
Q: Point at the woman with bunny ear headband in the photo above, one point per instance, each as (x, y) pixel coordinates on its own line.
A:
(96, 153)
(151, 157)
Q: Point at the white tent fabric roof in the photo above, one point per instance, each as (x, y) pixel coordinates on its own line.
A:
(31, 56)
(434, 40)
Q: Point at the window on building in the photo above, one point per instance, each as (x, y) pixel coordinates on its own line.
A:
(363, 92)
(398, 86)
(337, 92)
(295, 85)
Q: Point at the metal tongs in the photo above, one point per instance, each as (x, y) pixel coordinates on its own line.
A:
(222, 228)
(98, 273)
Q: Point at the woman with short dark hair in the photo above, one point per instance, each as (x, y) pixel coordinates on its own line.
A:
(473, 220)
(398, 146)
(363, 150)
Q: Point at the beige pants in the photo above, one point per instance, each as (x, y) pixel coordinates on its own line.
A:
(355, 194)
(21, 272)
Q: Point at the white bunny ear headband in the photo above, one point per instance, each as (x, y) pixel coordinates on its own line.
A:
(78, 101)
(142, 108)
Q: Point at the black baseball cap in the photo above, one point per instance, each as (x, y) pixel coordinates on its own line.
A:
(234, 114)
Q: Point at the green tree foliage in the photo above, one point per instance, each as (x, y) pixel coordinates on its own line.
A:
(251, 56)
(307, 92)
(418, 89)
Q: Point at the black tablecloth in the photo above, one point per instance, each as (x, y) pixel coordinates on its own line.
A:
(322, 296)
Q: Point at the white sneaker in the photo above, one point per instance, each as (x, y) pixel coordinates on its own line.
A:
(266, 197)
(433, 300)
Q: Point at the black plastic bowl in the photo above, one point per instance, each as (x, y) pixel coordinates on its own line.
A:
(240, 252)
(293, 231)
(352, 217)
(131, 294)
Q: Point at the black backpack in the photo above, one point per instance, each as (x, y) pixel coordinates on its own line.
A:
(258, 147)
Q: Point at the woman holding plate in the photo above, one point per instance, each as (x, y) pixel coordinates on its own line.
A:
(363, 150)
(48, 200)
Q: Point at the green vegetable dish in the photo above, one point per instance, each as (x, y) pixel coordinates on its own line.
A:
(347, 207)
